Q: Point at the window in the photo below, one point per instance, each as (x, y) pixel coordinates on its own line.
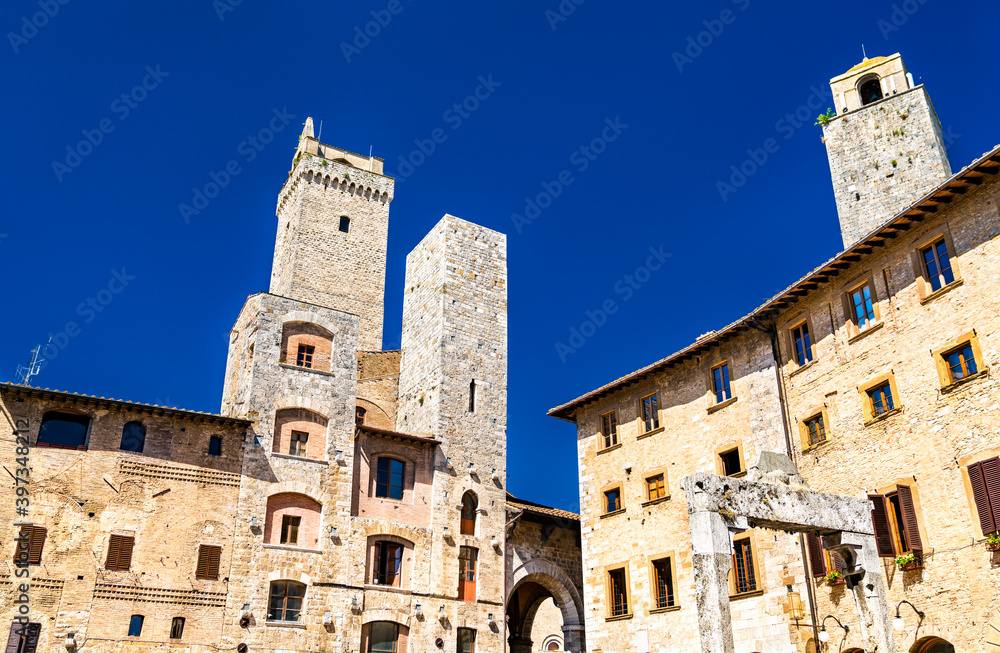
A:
(720, 383)
(821, 561)
(389, 478)
(119, 552)
(62, 429)
(388, 564)
(895, 520)
(862, 301)
(208, 562)
(609, 429)
(730, 462)
(870, 90)
(382, 636)
(177, 628)
(215, 446)
(29, 546)
(617, 593)
(937, 264)
(880, 399)
(135, 625)
(290, 529)
(304, 358)
(359, 416)
(133, 437)
(984, 477)
(802, 344)
(815, 430)
(745, 576)
(297, 445)
(650, 413)
(469, 506)
(466, 640)
(656, 487)
(345, 224)
(467, 558)
(961, 362)
(472, 396)
(23, 638)
(286, 601)
(663, 584)
(612, 500)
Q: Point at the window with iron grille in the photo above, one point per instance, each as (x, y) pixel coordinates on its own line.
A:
(304, 358)
(664, 584)
(816, 429)
(618, 592)
(746, 576)
(609, 429)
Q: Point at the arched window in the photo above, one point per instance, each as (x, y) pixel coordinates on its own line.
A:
(306, 345)
(286, 601)
(300, 432)
(383, 637)
(133, 437)
(870, 89)
(292, 520)
(469, 506)
(359, 415)
(64, 430)
(215, 446)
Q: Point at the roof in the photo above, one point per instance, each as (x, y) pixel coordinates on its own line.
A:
(537, 508)
(395, 435)
(866, 63)
(958, 184)
(91, 400)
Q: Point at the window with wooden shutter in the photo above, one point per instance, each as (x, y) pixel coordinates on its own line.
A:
(29, 546)
(467, 563)
(119, 552)
(23, 638)
(985, 480)
(880, 522)
(208, 562)
(817, 559)
(911, 531)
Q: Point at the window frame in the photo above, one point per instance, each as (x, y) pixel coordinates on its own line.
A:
(381, 560)
(458, 640)
(284, 609)
(818, 412)
(79, 417)
(120, 548)
(925, 287)
(613, 432)
(610, 613)
(175, 631)
(388, 484)
(615, 487)
(26, 634)
(867, 403)
(727, 378)
(656, 427)
(304, 355)
(298, 446)
(289, 533)
(370, 638)
(654, 586)
(900, 535)
(720, 467)
(35, 545)
(809, 353)
(468, 516)
(468, 577)
(854, 330)
(747, 538)
(940, 355)
(662, 471)
(133, 624)
(360, 415)
(211, 554)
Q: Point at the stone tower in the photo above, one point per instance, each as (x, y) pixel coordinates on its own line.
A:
(885, 145)
(333, 226)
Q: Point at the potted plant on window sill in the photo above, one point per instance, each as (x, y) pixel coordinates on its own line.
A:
(909, 562)
(834, 578)
(993, 542)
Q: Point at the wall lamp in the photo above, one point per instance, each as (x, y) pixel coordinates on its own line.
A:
(334, 533)
(825, 636)
(898, 623)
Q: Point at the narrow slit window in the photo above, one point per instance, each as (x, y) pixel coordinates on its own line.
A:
(472, 396)
(937, 264)
(360, 414)
(345, 224)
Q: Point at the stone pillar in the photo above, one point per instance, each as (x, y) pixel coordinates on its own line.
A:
(712, 553)
(519, 645)
(574, 639)
(875, 617)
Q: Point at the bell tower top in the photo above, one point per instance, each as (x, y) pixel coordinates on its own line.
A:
(870, 81)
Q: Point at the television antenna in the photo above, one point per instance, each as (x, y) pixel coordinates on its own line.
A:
(25, 372)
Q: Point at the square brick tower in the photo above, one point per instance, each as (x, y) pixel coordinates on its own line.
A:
(885, 145)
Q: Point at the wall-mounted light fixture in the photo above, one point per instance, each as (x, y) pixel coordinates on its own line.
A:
(418, 610)
(491, 620)
(327, 618)
(494, 542)
(446, 532)
(495, 475)
(898, 623)
(472, 468)
(338, 455)
(825, 636)
(334, 533)
(441, 615)
(447, 463)
(254, 522)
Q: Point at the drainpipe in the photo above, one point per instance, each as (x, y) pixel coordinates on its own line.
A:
(772, 333)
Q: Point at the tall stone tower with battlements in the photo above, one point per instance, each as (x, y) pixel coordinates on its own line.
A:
(885, 145)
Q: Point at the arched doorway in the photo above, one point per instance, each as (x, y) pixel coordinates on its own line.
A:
(932, 645)
(542, 598)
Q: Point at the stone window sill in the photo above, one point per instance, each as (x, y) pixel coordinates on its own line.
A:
(388, 588)
(886, 415)
(620, 617)
(940, 291)
(70, 447)
(955, 385)
(649, 433)
(816, 447)
(669, 608)
(299, 458)
(720, 406)
(872, 329)
(611, 448)
(653, 502)
(746, 595)
(802, 368)
(310, 370)
(285, 547)
(286, 624)
(612, 514)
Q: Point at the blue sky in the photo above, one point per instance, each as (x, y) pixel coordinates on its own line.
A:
(627, 114)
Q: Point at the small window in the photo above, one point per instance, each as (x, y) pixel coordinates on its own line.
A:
(617, 593)
(388, 564)
(656, 487)
(467, 561)
(466, 640)
(23, 638)
(297, 446)
(815, 430)
(29, 546)
(290, 529)
(862, 301)
(743, 566)
(612, 500)
(720, 383)
(802, 343)
(304, 357)
(285, 601)
(389, 478)
(984, 477)
(62, 429)
(663, 590)
(208, 562)
(880, 399)
(119, 552)
(177, 628)
(133, 437)
(345, 224)
(650, 413)
(937, 264)
(469, 507)
(472, 396)
(215, 446)
(821, 561)
(961, 362)
(870, 90)
(609, 429)
(135, 625)
(383, 636)
(731, 462)
(360, 414)
(894, 519)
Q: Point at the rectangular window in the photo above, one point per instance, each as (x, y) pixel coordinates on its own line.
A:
(23, 638)
(135, 625)
(389, 478)
(297, 447)
(383, 636)
(467, 558)
(305, 356)
(894, 518)
(359, 416)
(937, 264)
(177, 628)
(656, 487)
(720, 383)
(984, 477)
(880, 399)
(663, 590)
(650, 413)
(961, 362)
(285, 602)
(863, 306)
(29, 546)
(119, 552)
(802, 344)
(345, 224)
(746, 575)
(215, 446)
(731, 462)
(466, 640)
(388, 564)
(617, 593)
(208, 562)
(609, 429)
(612, 500)
(290, 529)
(816, 430)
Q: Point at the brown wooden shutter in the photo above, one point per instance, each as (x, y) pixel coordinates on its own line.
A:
(838, 563)
(114, 550)
(208, 561)
(14, 639)
(31, 638)
(816, 562)
(201, 571)
(35, 547)
(120, 552)
(22, 548)
(880, 521)
(913, 540)
(987, 518)
(125, 558)
(991, 478)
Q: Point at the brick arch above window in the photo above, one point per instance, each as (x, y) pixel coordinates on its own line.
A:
(293, 520)
(306, 345)
(375, 415)
(321, 408)
(300, 432)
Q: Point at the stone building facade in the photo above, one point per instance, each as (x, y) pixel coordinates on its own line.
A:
(345, 498)
(872, 373)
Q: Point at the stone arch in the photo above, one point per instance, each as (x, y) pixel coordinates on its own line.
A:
(321, 408)
(385, 614)
(289, 574)
(932, 645)
(295, 487)
(375, 414)
(311, 318)
(870, 89)
(553, 582)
